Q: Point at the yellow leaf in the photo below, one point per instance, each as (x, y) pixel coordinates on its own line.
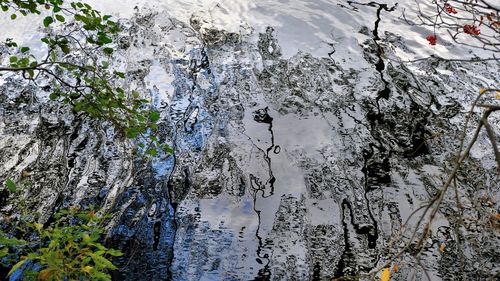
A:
(442, 247)
(69, 245)
(26, 174)
(86, 237)
(74, 208)
(91, 213)
(498, 95)
(38, 226)
(45, 274)
(395, 268)
(87, 269)
(386, 274)
(482, 91)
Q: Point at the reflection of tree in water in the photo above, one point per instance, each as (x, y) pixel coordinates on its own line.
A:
(261, 116)
(266, 189)
(262, 256)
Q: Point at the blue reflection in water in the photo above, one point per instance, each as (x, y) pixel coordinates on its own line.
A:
(147, 226)
(18, 275)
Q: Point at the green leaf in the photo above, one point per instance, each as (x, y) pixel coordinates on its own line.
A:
(108, 51)
(47, 21)
(60, 18)
(10, 43)
(23, 62)
(90, 40)
(102, 262)
(13, 59)
(102, 276)
(5, 8)
(53, 55)
(65, 49)
(154, 116)
(103, 39)
(114, 253)
(11, 241)
(166, 148)
(16, 267)
(11, 186)
(4, 252)
(152, 152)
(38, 226)
(54, 96)
(13, 16)
(25, 49)
(94, 236)
(140, 118)
(119, 74)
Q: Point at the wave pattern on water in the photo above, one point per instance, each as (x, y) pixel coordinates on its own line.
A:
(288, 165)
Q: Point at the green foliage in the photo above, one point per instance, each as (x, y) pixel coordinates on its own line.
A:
(67, 250)
(47, 21)
(79, 40)
(11, 186)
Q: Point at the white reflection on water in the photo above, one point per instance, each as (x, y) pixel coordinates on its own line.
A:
(301, 25)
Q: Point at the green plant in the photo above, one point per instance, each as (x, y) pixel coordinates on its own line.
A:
(80, 44)
(11, 186)
(66, 250)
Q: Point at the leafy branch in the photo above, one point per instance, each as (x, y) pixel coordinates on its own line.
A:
(78, 69)
(69, 249)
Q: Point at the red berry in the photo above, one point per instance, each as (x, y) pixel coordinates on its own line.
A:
(432, 39)
(471, 29)
(449, 9)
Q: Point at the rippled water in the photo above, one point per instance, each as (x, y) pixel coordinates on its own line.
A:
(300, 149)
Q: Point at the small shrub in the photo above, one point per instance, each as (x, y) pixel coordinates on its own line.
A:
(66, 250)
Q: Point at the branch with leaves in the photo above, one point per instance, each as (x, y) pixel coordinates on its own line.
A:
(68, 249)
(77, 68)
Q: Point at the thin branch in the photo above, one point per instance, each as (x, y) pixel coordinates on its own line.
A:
(493, 140)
